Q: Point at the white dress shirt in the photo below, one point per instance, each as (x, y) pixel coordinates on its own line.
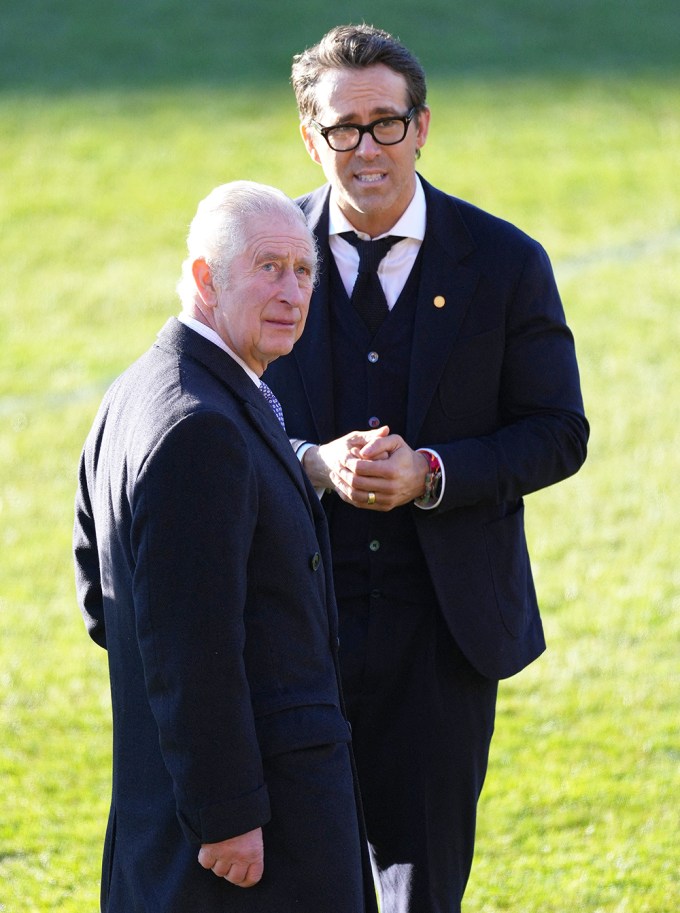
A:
(396, 265)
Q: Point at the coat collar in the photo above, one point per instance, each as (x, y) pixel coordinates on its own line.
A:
(189, 344)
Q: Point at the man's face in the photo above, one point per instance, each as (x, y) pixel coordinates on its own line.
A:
(261, 312)
(374, 184)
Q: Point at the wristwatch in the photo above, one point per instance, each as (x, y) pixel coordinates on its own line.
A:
(433, 480)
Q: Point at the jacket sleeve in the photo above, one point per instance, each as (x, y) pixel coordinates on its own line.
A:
(538, 434)
(194, 514)
(86, 558)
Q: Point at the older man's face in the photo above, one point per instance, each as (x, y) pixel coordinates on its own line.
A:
(261, 312)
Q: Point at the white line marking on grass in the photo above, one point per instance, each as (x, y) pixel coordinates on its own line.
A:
(624, 253)
(566, 269)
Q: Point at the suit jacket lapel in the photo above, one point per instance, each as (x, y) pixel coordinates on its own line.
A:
(445, 292)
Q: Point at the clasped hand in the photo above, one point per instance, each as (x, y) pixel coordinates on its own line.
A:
(373, 470)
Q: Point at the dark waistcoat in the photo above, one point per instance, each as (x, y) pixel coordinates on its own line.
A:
(374, 554)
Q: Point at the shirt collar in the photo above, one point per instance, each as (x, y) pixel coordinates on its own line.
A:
(208, 333)
(410, 225)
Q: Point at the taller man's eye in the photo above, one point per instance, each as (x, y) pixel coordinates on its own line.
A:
(340, 132)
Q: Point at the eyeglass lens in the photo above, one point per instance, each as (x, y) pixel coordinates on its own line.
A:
(387, 132)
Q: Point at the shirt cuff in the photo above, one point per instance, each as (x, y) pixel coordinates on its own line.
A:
(301, 447)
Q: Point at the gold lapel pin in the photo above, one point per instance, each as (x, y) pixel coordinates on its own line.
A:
(439, 301)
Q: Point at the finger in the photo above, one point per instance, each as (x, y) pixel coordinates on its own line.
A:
(362, 438)
(206, 859)
(364, 500)
(376, 433)
(244, 876)
(237, 873)
(385, 444)
(369, 470)
(225, 869)
(342, 482)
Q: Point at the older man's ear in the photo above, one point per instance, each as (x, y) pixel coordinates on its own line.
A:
(204, 282)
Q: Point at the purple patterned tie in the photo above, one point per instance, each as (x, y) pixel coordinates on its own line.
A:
(273, 402)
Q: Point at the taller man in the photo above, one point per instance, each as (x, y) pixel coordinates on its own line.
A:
(427, 410)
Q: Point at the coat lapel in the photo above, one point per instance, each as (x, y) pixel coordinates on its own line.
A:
(230, 374)
(445, 292)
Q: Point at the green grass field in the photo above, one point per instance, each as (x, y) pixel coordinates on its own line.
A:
(115, 119)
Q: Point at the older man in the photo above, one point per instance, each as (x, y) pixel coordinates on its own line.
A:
(203, 568)
(435, 386)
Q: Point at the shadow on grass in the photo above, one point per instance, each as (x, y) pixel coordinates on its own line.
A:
(58, 46)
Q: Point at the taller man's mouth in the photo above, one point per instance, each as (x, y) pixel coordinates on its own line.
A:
(370, 178)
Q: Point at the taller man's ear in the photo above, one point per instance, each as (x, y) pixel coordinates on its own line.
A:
(309, 137)
(423, 126)
(204, 282)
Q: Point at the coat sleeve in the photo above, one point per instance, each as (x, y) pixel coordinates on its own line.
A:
(86, 558)
(194, 515)
(539, 432)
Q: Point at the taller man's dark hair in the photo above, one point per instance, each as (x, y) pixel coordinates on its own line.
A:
(353, 46)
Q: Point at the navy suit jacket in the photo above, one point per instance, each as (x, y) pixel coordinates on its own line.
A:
(203, 568)
(493, 387)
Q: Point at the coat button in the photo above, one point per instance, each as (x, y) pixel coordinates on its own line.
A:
(374, 422)
(374, 545)
(315, 561)
(373, 357)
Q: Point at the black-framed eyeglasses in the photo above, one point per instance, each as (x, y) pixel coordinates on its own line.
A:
(387, 131)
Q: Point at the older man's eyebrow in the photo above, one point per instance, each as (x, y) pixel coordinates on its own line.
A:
(267, 255)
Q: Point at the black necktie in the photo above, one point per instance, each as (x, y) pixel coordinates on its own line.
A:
(367, 295)
(268, 394)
